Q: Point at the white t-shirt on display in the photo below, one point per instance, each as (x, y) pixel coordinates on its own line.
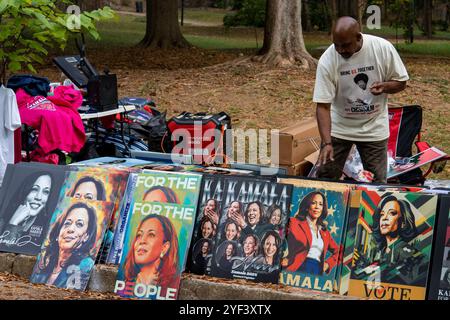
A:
(9, 121)
(357, 114)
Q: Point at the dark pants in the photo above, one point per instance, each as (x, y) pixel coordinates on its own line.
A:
(310, 266)
(373, 155)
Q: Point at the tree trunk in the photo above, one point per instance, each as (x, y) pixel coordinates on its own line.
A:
(332, 5)
(348, 8)
(3, 72)
(283, 36)
(384, 10)
(447, 16)
(411, 18)
(342, 6)
(162, 29)
(362, 5)
(428, 18)
(306, 16)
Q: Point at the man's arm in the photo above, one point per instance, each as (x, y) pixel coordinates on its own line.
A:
(389, 87)
(323, 115)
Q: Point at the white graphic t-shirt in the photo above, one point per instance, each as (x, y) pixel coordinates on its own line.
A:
(10, 121)
(357, 114)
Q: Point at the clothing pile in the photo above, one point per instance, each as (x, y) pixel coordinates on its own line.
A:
(55, 118)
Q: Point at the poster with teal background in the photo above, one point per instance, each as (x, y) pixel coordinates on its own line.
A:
(102, 184)
(314, 240)
(73, 241)
(94, 183)
(158, 235)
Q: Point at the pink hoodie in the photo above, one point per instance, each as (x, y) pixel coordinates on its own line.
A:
(67, 96)
(56, 118)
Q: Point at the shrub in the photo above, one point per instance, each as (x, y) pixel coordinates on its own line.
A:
(252, 13)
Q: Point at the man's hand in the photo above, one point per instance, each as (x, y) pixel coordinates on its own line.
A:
(377, 88)
(389, 87)
(326, 154)
(324, 123)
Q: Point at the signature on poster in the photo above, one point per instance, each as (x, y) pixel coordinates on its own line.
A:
(243, 264)
(19, 242)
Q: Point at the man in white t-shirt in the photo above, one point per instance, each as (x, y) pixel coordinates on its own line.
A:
(354, 76)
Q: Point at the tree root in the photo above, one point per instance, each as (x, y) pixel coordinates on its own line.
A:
(234, 62)
(153, 42)
(277, 59)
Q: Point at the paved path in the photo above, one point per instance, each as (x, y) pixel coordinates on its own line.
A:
(189, 22)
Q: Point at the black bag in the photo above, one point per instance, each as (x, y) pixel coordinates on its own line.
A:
(156, 133)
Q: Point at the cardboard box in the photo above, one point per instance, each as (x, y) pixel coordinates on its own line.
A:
(297, 141)
(313, 157)
(300, 169)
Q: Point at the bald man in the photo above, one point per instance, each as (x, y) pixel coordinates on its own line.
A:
(354, 76)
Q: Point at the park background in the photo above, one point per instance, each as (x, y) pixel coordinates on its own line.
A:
(215, 73)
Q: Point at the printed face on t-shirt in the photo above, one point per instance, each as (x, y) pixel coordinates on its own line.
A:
(362, 85)
(358, 100)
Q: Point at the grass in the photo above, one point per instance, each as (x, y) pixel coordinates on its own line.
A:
(221, 43)
(128, 30)
(387, 31)
(429, 47)
(124, 31)
(437, 122)
(207, 16)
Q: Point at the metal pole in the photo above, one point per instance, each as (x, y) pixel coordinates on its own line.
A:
(411, 23)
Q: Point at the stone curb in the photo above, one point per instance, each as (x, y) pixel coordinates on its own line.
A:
(191, 288)
(23, 265)
(6, 262)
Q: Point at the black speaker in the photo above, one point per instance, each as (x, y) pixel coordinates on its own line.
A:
(102, 92)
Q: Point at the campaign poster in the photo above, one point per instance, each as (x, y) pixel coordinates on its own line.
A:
(393, 244)
(158, 235)
(403, 165)
(99, 184)
(251, 230)
(115, 253)
(206, 225)
(439, 288)
(29, 197)
(93, 183)
(312, 259)
(72, 244)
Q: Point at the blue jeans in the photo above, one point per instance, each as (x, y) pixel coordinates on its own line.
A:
(311, 266)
